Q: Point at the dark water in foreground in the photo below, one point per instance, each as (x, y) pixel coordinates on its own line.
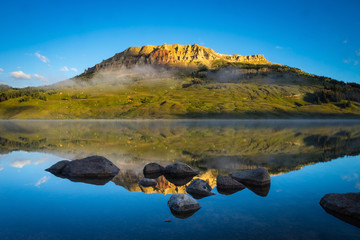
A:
(306, 159)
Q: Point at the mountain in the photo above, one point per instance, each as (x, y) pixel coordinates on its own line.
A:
(171, 55)
(185, 81)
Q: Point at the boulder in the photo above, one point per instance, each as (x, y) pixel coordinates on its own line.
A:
(90, 167)
(345, 206)
(180, 169)
(153, 170)
(258, 176)
(183, 205)
(199, 188)
(226, 182)
(147, 182)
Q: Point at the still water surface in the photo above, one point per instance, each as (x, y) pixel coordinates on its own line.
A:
(306, 160)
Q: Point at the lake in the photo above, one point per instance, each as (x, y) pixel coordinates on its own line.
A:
(305, 158)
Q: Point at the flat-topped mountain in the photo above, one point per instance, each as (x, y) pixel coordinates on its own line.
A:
(173, 55)
(185, 81)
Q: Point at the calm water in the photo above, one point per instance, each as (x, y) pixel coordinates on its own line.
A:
(306, 159)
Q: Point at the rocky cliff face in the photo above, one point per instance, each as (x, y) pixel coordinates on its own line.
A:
(173, 55)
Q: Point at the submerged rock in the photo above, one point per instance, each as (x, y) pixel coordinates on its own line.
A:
(260, 190)
(90, 167)
(178, 181)
(258, 176)
(345, 206)
(147, 182)
(199, 189)
(153, 170)
(183, 205)
(180, 169)
(226, 182)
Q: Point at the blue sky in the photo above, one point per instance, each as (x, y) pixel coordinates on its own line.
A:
(44, 41)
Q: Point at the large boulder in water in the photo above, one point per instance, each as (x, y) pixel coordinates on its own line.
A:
(199, 188)
(180, 169)
(226, 182)
(183, 205)
(90, 167)
(345, 206)
(147, 182)
(153, 170)
(258, 176)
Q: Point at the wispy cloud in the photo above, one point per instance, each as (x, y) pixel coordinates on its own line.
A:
(357, 53)
(345, 41)
(64, 69)
(42, 57)
(20, 75)
(1, 70)
(279, 47)
(20, 163)
(73, 69)
(42, 180)
(356, 63)
(42, 78)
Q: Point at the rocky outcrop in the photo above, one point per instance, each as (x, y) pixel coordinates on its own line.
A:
(147, 182)
(199, 188)
(179, 169)
(90, 167)
(170, 55)
(345, 206)
(183, 205)
(258, 176)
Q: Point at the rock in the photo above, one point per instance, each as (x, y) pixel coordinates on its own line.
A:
(183, 205)
(147, 182)
(57, 167)
(178, 181)
(258, 176)
(226, 182)
(153, 170)
(345, 206)
(199, 188)
(90, 167)
(180, 169)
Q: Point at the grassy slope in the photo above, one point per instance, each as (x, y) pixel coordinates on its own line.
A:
(167, 98)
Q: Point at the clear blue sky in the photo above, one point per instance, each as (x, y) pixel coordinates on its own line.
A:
(42, 42)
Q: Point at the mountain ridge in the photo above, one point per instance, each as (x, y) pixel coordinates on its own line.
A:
(171, 55)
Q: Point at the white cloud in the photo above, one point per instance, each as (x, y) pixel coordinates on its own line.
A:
(42, 78)
(279, 47)
(346, 61)
(358, 53)
(40, 160)
(41, 57)
(20, 75)
(1, 70)
(1, 168)
(42, 180)
(356, 63)
(64, 69)
(20, 163)
(73, 69)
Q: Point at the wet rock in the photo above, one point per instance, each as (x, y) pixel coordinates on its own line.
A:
(345, 206)
(226, 182)
(258, 176)
(180, 169)
(90, 167)
(153, 170)
(178, 181)
(183, 205)
(57, 167)
(199, 189)
(147, 182)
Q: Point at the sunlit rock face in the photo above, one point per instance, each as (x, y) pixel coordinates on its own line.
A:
(175, 54)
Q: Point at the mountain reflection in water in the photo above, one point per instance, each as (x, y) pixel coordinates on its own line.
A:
(211, 146)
